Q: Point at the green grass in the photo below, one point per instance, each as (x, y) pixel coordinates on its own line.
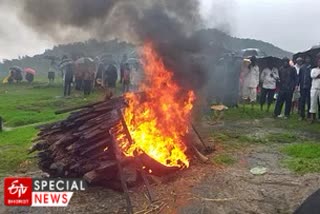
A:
(13, 149)
(24, 106)
(28, 104)
(237, 137)
(236, 114)
(303, 157)
(246, 113)
(224, 159)
(271, 138)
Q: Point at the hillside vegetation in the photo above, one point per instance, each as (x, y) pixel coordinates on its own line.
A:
(93, 48)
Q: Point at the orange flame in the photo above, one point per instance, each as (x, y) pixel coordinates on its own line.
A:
(158, 120)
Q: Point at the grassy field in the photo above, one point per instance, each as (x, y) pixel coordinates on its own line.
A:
(29, 104)
(25, 106)
(298, 140)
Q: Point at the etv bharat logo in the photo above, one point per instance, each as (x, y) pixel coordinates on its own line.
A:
(40, 192)
(18, 191)
(17, 188)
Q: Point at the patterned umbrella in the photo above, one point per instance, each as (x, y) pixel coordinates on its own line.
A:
(64, 63)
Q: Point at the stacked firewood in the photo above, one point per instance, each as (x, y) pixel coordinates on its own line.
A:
(81, 145)
(84, 146)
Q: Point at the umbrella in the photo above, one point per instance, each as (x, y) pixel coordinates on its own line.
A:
(107, 61)
(30, 71)
(133, 61)
(313, 53)
(16, 68)
(263, 62)
(64, 63)
(84, 60)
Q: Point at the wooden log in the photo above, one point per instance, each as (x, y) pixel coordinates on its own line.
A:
(88, 135)
(40, 145)
(62, 111)
(102, 144)
(92, 177)
(121, 175)
(81, 143)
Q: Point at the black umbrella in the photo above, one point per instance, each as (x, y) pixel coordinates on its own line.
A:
(314, 53)
(264, 61)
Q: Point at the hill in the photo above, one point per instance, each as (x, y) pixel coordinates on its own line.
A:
(93, 48)
(236, 44)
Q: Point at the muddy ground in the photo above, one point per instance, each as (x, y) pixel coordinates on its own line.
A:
(207, 188)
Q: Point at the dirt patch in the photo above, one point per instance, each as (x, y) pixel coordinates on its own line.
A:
(236, 190)
(207, 188)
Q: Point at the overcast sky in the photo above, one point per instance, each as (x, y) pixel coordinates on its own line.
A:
(290, 24)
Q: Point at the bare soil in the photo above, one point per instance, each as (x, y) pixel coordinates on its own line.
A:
(205, 188)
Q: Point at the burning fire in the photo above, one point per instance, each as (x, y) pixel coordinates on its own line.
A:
(159, 119)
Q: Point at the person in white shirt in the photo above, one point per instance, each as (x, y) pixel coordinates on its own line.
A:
(298, 65)
(251, 82)
(315, 91)
(268, 78)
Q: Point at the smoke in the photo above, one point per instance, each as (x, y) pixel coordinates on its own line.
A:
(167, 23)
(102, 19)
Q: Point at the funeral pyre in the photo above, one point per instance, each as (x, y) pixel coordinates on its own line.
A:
(145, 131)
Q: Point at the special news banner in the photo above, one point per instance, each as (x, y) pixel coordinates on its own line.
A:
(26, 191)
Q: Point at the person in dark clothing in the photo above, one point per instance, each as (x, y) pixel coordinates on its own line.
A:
(68, 78)
(29, 77)
(18, 76)
(311, 205)
(87, 86)
(287, 84)
(232, 80)
(304, 81)
(126, 78)
(110, 77)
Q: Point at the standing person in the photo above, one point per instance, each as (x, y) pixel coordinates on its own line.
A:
(296, 93)
(79, 74)
(110, 76)
(136, 77)
(52, 72)
(232, 80)
(123, 66)
(287, 84)
(268, 78)
(68, 78)
(11, 77)
(315, 91)
(251, 82)
(126, 78)
(88, 75)
(29, 77)
(304, 82)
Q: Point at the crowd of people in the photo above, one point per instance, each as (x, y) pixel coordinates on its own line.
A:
(292, 85)
(85, 74)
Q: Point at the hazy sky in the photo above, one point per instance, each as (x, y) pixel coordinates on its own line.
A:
(290, 24)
